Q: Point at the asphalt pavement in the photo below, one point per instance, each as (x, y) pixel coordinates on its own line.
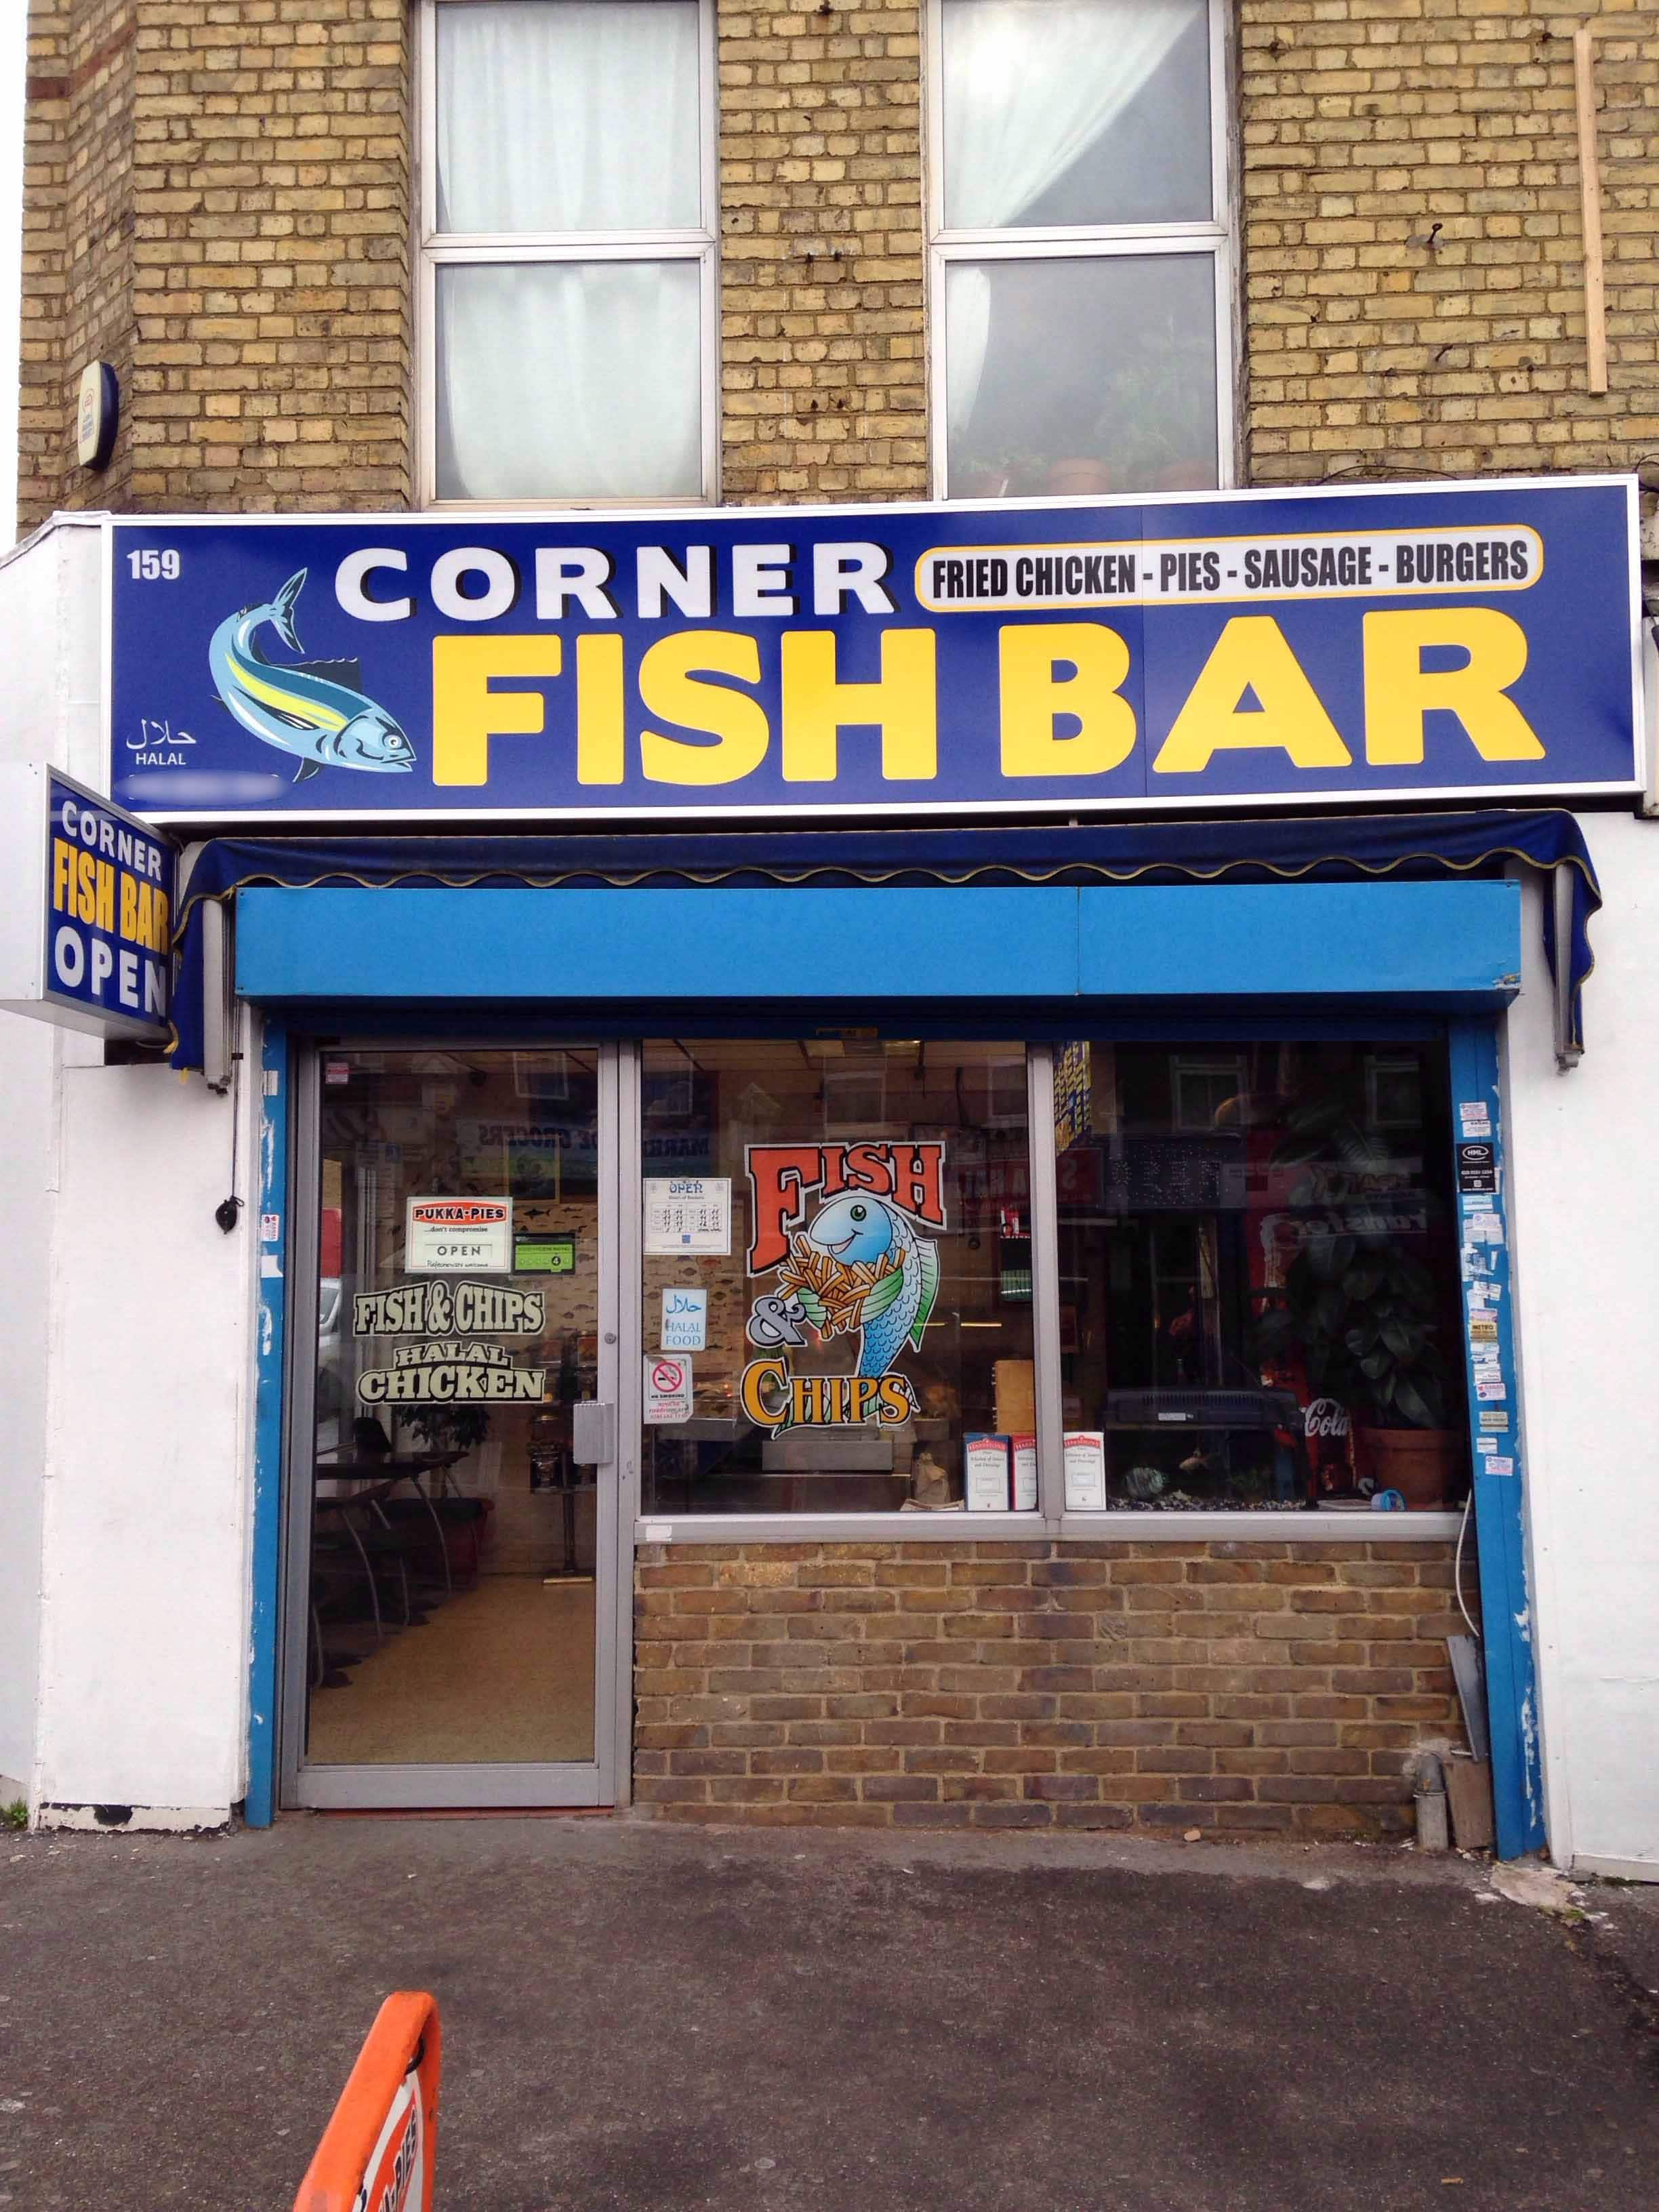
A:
(637, 2015)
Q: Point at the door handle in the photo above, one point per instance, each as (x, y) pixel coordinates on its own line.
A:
(592, 1431)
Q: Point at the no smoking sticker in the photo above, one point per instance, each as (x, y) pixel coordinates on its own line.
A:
(667, 1389)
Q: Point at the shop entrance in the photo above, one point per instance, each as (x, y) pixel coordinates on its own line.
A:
(451, 1632)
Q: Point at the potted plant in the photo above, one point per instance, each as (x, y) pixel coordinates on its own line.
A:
(1361, 1312)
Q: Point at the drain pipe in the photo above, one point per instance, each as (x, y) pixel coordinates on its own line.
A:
(1429, 1795)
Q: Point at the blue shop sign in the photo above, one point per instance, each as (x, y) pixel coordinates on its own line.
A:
(85, 934)
(1470, 642)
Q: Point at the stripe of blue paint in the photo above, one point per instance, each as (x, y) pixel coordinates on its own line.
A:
(1453, 944)
(266, 1566)
(1500, 1535)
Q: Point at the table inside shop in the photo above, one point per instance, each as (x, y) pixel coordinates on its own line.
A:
(374, 1480)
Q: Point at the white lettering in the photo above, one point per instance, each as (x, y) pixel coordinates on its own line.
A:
(691, 589)
(572, 571)
(760, 577)
(856, 568)
(501, 588)
(354, 571)
(69, 957)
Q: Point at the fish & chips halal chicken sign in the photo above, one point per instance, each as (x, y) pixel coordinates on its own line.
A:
(86, 909)
(1473, 640)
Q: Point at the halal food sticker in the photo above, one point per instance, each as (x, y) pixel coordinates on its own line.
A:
(455, 1236)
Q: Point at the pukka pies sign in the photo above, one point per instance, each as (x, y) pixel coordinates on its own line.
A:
(87, 897)
(1473, 640)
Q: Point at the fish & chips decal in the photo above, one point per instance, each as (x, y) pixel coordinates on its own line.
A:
(858, 1266)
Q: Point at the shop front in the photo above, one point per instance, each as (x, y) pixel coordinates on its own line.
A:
(1094, 1234)
(1004, 1317)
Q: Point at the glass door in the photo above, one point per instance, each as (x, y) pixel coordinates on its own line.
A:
(452, 1522)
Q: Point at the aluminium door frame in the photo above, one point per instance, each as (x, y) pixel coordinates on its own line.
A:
(604, 1781)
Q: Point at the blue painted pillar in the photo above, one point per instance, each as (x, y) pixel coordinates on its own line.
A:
(1488, 1298)
(270, 1352)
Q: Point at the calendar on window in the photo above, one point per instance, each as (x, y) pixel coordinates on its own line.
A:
(688, 1213)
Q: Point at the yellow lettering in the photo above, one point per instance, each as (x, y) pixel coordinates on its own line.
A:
(1251, 654)
(1034, 697)
(63, 873)
(105, 917)
(86, 887)
(897, 1403)
(762, 1380)
(669, 688)
(1400, 692)
(130, 928)
(466, 713)
(816, 706)
(601, 725)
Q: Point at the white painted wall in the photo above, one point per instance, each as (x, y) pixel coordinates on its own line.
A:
(49, 648)
(125, 1388)
(1585, 1208)
(28, 1075)
(143, 1659)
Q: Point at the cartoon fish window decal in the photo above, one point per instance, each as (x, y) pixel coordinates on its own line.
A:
(859, 1264)
(314, 709)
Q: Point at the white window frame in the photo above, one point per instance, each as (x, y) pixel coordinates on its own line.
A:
(1215, 239)
(435, 250)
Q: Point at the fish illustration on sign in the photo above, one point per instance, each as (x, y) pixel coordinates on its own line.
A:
(313, 708)
(860, 1264)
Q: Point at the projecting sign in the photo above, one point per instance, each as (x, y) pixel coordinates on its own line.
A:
(1475, 640)
(86, 909)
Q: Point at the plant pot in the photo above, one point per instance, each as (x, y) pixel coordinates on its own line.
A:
(1419, 1463)
(1078, 474)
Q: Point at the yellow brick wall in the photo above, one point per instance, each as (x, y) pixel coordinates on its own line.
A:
(78, 240)
(1413, 273)
(218, 202)
(823, 257)
(262, 321)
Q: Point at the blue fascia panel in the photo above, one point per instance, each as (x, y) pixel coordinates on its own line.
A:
(1451, 944)
(606, 946)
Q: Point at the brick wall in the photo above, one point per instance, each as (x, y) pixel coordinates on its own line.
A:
(1227, 1686)
(76, 303)
(1412, 246)
(823, 355)
(251, 163)
(219, 201)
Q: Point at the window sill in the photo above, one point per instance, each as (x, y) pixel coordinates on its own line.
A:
(1241, 1527)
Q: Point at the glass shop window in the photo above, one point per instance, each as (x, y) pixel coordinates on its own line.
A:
(838, 1312)
(1259, 1276)
(1080, 246)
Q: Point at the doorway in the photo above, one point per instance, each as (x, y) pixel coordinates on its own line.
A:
(454, 1520)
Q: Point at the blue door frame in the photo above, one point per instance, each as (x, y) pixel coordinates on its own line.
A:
(1488, 1289)
(270, 1356)
(299, 955)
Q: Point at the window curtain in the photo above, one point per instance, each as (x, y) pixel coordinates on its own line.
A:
(1029, 85)
(562, 115)
(569, 379)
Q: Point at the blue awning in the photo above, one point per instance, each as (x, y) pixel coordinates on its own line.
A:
(1320, 849)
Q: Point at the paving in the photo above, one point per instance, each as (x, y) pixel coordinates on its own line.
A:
(665, 2019)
